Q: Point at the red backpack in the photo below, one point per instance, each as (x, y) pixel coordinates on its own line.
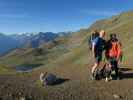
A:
(114, 50)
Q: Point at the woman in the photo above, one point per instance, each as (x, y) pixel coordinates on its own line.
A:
(113, 54)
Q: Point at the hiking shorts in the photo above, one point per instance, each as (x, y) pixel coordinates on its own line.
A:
(98, 58)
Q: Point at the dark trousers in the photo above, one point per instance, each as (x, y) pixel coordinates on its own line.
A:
(114, 66)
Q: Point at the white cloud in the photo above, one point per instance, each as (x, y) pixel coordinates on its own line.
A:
(100, 12)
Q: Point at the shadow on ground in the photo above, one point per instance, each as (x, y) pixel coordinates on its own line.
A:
(126, 73)
(125, 69)
(60, 81)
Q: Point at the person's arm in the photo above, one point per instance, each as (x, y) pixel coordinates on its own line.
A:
(94, 46)
(93, 49)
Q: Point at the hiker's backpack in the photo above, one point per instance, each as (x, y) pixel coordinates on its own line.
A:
(50, 79)
(98, 74)
(91, 39)
(113, 49)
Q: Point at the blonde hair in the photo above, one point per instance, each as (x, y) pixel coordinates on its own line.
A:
(102, 33)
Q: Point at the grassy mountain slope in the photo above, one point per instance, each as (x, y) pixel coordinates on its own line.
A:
(70, 58)
(78, 59)
(42, 55)
(74, 50)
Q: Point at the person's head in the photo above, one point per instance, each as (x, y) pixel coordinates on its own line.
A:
(95, 33)
(113, 36)
(102, 33)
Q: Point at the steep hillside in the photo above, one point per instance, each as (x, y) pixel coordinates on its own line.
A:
(79, 55)
(73, 50)
(121, 25)
(68, 57)
(43, 54)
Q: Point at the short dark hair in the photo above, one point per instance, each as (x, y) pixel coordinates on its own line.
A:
(113, 35)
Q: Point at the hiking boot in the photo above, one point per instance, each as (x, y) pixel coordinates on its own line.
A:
(118, 78)
(107, 79)
(111, 78)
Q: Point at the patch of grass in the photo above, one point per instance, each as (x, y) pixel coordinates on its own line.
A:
(5, 70)
(38, 83)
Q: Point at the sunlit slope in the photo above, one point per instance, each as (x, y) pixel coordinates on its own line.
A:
(73, 51)
(121, 24)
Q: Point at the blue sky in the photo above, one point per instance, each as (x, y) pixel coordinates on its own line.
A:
(18, 16)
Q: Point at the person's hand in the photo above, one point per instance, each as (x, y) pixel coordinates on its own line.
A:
(118, 60)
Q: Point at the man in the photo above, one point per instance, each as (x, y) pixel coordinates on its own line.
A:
(113, 54)
(98, 46)
(93, 36)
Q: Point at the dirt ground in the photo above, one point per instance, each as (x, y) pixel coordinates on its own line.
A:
(14, 87)
(77, 87)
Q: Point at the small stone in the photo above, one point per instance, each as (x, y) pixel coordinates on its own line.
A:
(22, 98)
(116, 96)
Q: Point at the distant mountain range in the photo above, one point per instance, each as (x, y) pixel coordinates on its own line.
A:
(9, 42)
